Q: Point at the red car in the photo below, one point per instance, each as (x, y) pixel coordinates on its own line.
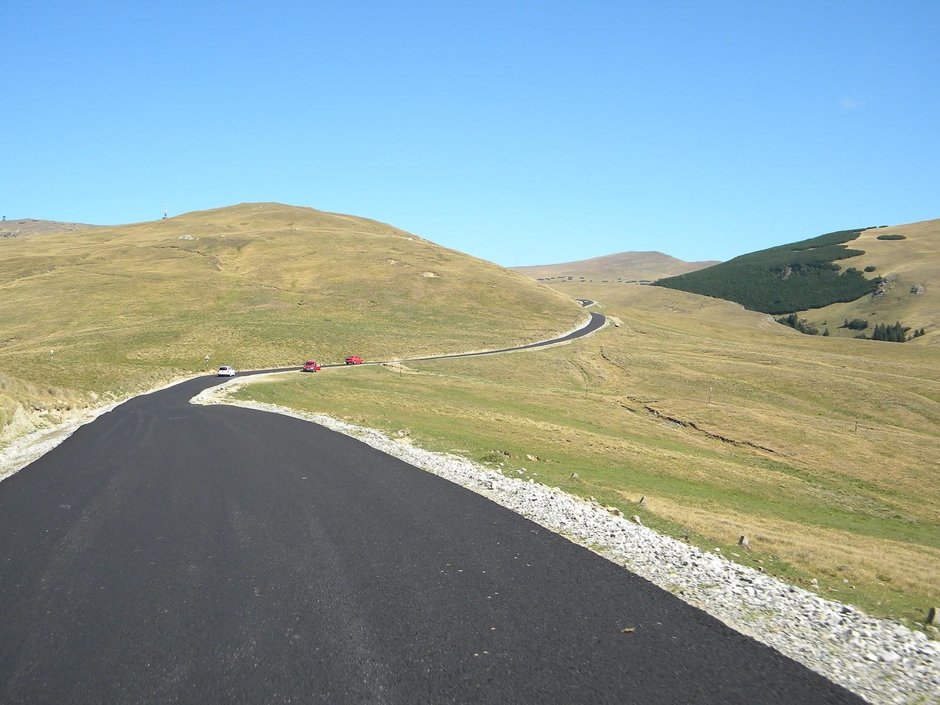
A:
(353, 360)
(311, 366)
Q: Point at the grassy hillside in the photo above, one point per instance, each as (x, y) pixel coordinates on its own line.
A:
(112, 310)
(910, 292)
(784, 279)
(30, 226)
(624, 267)
(822, 451)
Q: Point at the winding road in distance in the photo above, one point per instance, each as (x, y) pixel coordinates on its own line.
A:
(174, 553)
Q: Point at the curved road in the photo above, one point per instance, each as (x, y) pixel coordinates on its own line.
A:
(172, 553)
(594, 323)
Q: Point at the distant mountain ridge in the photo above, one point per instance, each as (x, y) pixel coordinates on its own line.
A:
(622, 266)
(30, 226)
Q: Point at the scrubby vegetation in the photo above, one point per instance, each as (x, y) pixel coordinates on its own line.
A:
(891, 236)
(896, 333)
(794, 277)
(882, 331)
(800, 324)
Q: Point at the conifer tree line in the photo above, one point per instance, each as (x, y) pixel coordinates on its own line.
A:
(896, 333)
(800, 276)
(893, 334)
(800, 324)
(795, 277)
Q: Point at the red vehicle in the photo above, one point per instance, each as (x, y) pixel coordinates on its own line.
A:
(311, 366)
(353, 360)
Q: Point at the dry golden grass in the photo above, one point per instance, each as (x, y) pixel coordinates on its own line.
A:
(119, 309)
(843, 562)
(45, 405)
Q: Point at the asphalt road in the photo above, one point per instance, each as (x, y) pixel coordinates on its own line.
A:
(594, 323)
(172, 553)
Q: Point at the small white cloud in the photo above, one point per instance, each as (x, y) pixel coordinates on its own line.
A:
(849, 103)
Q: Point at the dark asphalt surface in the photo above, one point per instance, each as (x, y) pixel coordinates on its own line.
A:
(172, 553)
(594, 323)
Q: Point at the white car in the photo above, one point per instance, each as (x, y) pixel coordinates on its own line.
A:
(226, 371)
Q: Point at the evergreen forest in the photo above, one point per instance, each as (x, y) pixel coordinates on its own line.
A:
(783, 279)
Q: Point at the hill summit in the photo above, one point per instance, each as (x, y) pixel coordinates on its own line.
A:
(30, 226)
(620, 267)
(123, 308)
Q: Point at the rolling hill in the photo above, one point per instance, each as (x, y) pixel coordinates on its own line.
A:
(910, 288)
(105, 312)
(622, 267)
(29, 226)
(882, 275)
(727, 423)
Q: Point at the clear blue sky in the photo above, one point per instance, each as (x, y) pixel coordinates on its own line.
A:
(521, 132)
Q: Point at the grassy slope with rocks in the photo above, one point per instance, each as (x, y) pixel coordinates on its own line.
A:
(910, 292)
(822, 453)
(105, 312)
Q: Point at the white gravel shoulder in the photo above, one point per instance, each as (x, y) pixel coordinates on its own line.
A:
(30, 447)
(25, 449)
(882, 661)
